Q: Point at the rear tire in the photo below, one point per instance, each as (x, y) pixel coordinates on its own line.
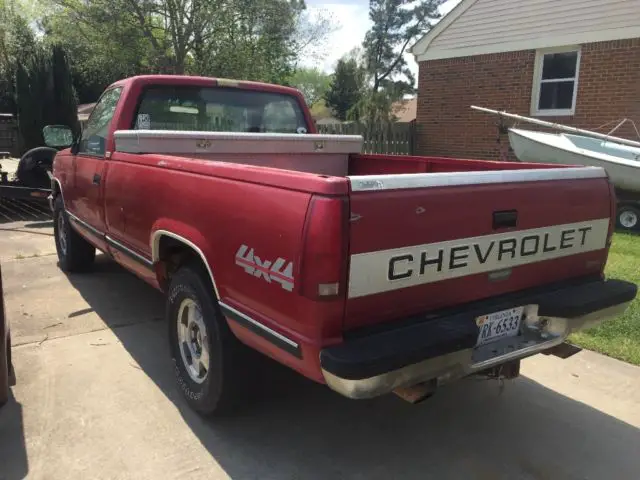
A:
(628, 218)
(210, 363)
(75, 254)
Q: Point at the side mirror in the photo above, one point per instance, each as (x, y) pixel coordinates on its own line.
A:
(57, 136)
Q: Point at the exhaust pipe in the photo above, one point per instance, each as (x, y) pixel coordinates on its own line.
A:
(417, 393)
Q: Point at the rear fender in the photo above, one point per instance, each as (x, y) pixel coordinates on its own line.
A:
(188, 235)
(249, 330)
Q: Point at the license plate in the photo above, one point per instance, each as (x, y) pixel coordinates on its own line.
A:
(498, 325)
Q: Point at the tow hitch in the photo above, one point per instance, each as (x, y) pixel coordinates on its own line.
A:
(564, 350)
(417, 393)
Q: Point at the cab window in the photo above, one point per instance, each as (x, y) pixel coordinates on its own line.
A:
(219, 109)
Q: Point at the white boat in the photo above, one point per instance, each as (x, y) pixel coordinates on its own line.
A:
(622, 162)
(620, 157)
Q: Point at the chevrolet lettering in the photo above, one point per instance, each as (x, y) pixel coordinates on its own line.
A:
(440, 261)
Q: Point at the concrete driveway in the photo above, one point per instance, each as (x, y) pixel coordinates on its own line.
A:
(96, 399)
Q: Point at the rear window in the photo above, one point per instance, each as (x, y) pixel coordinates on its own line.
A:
(218, 109)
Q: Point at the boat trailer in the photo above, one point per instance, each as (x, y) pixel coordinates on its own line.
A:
(16, 189)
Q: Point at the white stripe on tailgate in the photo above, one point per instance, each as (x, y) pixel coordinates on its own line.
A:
(387, 270)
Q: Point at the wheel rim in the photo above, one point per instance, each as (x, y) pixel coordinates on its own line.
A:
(62, 233)
(628, 219)
(193, 340)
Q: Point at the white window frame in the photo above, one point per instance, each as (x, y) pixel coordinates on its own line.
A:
(537, 81)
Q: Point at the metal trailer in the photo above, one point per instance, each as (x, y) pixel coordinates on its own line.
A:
(37, 189)
(20, 202)
(25, 191)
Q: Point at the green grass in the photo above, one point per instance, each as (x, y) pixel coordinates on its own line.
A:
(620, 337)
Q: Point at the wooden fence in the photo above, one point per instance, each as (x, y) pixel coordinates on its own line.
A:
(395, 138)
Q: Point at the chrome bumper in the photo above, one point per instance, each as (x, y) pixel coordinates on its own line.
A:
(535, 339)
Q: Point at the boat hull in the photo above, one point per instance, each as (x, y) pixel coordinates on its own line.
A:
(542, 147)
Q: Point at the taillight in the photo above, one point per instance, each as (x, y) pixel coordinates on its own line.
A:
(325, 242)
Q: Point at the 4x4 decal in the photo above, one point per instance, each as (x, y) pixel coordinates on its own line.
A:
(279, 271)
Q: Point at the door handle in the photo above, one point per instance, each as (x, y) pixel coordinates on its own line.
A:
(505, 219)
(96, 179)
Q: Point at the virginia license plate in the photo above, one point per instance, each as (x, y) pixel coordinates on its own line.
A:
(498, 325)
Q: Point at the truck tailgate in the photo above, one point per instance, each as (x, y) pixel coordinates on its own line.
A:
(423, 242)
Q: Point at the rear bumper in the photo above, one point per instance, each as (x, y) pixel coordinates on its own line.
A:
(443, 347)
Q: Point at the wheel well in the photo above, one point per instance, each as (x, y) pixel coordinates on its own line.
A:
(55, 188)
(173, 254)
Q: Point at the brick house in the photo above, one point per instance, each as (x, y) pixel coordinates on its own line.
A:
(575, 62)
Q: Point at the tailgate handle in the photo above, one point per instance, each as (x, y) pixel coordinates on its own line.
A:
(505, 219)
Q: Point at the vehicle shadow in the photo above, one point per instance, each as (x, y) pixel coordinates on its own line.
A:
(295, 428)
(13, 450)
(45, 224)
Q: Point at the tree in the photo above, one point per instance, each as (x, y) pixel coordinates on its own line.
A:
(312, 32)
(250, 39)
(31, 93)
(396, 23)
(44, 94)
(260, 40)
(63, 104)
(168, 27)
(346, 87)
(17, 42)
(103, 44)
(312, 82)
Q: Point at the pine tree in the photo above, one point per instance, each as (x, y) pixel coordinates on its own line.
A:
(31, 79)
(44, 95)
(65, 110)
(346, 88)
(396, 23)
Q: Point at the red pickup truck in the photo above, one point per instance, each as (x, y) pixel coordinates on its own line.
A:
(369, 273)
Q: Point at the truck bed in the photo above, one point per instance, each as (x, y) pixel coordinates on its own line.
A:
(330, 155)
(400, 206)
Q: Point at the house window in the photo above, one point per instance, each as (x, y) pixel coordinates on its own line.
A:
(555, 84)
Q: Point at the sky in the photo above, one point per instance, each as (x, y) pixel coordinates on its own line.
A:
(352, 21)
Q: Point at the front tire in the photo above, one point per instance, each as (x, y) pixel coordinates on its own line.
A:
(210, 363)
(75, 254)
